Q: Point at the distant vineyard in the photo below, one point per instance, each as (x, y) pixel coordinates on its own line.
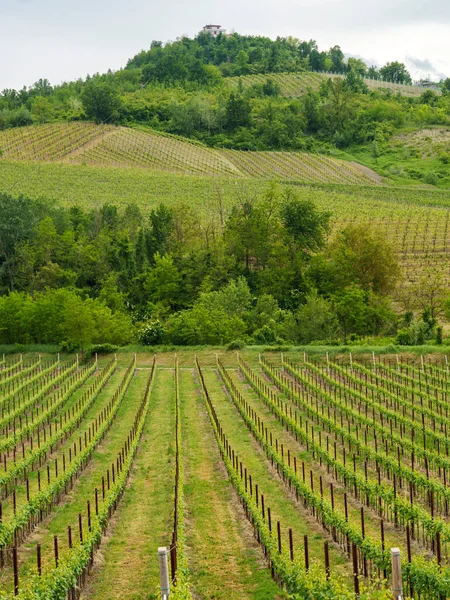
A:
(89, 144)
(296, 84)
(417, 221)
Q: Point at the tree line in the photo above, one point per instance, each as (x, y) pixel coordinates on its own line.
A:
(268, 272)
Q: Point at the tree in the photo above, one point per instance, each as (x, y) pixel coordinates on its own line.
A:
(42, 109)
(315, 320)
(363, 256)
(163, 281)
(305, 226)
(101, 103)
(18, 219)
(350, 307)
(354, 82)
(337, 59)
(237, 112)
(395, 72)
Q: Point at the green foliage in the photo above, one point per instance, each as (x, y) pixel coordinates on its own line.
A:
(101, 103)
(395, 72)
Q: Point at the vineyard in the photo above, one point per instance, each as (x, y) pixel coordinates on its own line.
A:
(263, 476)
(416, 220)
(296, 84)
(108, 146)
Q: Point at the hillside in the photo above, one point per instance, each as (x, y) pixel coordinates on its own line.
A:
(415, 220)
(109, 146)
(297, 84)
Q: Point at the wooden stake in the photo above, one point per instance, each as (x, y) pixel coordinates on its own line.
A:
(397, 584)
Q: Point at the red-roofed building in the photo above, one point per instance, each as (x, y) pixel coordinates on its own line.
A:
(213, 30)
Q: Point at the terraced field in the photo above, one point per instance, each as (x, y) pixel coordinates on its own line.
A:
(296, 84)
(262, 476)
(108, 146)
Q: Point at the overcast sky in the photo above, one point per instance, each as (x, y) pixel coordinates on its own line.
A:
(63, 40)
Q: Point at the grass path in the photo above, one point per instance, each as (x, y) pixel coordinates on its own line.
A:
(224, 559)
(127, 564)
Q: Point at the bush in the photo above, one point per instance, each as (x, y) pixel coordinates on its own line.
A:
(104, 349)
(69, 347)
(266, 335)
(404, 337)
(236, 345)
(151, 333)
(431, 178)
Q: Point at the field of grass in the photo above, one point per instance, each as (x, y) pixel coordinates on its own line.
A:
(296, 84)
(272, 451)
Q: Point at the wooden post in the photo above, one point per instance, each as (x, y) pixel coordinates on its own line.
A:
(89, 514)
(327, 559)
(279, 536)
(164, 572)
(355, 569)
(305, 545)
(16, 572)
(291, 544)
(55, 544)
(69, 536)
(397, 585)
(39, 559)
(80, 527)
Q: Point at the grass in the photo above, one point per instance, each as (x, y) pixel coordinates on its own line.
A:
(127, 565)
(284, 507)
(214, 516)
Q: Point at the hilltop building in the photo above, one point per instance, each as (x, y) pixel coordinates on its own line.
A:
(213, 30)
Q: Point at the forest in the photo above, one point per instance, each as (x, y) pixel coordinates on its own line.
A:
(268, 274)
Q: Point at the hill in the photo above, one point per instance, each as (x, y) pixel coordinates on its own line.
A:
(415, 220)
(106, 145)
(296, 84)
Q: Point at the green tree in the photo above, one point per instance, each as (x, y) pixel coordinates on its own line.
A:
(362, 255)
(315, 320)
(396, 72)
(101, 103)
(237, 112)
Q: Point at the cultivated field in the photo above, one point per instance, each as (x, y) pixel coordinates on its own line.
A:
(108, 146)
(415, 220)
(266, 475)
(296, 84)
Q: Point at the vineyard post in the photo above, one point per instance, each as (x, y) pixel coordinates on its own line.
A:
(16, 572)
(397, 585)
(355, 569)
(164, 572)
(305, 544)
(39, 560)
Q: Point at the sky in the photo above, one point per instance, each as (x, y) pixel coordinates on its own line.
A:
(61, 40)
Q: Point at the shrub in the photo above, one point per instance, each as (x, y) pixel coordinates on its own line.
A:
(104, 349)
(431, 178)
(236, 345)
(151, 333)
